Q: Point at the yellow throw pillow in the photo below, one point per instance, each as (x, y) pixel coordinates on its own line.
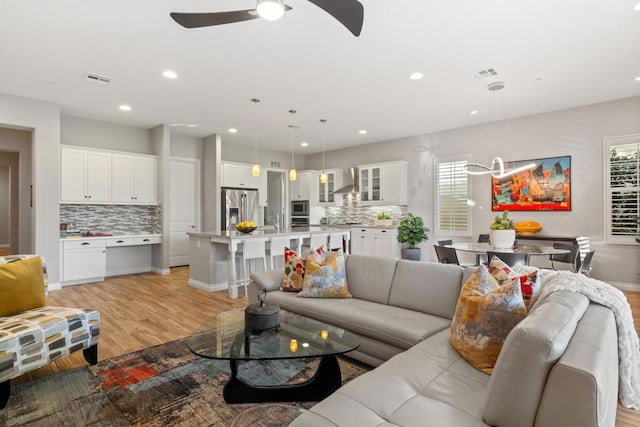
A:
(21, 286)
(325, 278)
(485, 314)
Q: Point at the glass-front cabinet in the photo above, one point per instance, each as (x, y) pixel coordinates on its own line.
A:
(384, 183)
(326, 194)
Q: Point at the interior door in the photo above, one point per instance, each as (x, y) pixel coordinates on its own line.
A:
(183, 209)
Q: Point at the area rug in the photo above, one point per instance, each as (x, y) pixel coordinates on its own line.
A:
(165, 385)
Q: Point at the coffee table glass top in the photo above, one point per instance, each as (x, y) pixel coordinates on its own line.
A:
(223, 337)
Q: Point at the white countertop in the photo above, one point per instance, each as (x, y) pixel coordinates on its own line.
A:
(77, 237)
(294, 232)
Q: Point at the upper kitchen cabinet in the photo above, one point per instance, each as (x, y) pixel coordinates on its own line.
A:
(301, 187)
(384, 183)
(238, 175)
(85, 176)
(335, 179)
(134, 179)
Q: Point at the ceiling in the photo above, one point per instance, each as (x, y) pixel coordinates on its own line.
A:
(550, 54)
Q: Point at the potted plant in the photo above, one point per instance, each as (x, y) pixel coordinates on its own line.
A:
(412, 232)
(502, 233)
(383, 218)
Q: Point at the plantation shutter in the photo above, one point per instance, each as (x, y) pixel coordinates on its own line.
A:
(452, 215)
(622, 182)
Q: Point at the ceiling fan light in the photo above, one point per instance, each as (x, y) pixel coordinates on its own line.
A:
(323, 178)
(270, 10)
(293, 174)
(255, 169)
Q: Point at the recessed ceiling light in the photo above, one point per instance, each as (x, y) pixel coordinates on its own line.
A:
(362, 131)
(304, 144)
(473, 113)
(638, 79)
(637, 7)
(170, 74)
(416, 76)
(190, 125)
(125, 107)
(233, 130)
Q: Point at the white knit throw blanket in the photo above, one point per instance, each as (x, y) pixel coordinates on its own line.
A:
(608, 296)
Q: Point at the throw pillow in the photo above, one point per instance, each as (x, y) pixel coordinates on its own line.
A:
(529, 283)
(21, 286)
(294, 269)
(325, 278)
(485, 314)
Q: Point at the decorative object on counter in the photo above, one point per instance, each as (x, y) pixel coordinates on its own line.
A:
(412, 232)
(255, 169)
(262, 316)
(527, 228)
(246, 226)
(293, 174)
(383, 218)
(502, 233)
(324, 178)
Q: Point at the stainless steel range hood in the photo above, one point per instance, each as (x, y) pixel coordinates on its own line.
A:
(351, 178)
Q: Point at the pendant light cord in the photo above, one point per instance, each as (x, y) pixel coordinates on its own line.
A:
(255, 130)
(323, 121)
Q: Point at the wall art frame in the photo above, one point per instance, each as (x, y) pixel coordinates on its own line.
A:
(546, 187)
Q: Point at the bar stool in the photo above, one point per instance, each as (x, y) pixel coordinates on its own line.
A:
(336, 241)
(276, 248)
(252, 250)
(317, 240)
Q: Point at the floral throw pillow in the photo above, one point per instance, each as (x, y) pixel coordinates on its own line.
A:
(529, 283)
(325, 277)
(294, 269)
(485, 314)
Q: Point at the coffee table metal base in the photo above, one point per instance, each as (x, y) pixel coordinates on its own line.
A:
(325, 381)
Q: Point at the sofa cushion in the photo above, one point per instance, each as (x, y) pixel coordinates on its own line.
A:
(428, 287)
(325, 276)
(528, 353)
(370, 277)
(22, 286)
(529, 282)
(294, 270)
(485, 314)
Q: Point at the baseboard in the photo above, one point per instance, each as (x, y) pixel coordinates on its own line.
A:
(124, 271)
(4, 245)
(54, 286)
(161, 271)
(633, 287)
(207, 287)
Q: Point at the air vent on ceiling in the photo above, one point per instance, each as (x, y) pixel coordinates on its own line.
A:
(97, 78)
(483, 74)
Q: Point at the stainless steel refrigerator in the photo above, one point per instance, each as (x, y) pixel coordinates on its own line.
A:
(238, 204)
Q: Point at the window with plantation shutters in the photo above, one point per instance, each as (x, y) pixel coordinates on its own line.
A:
(622, 188)
(452, 214)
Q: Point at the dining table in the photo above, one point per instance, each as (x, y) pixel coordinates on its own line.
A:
(480, 249)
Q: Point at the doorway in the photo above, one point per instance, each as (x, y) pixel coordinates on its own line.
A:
(9, 205)
(275, 200)
(184, 207)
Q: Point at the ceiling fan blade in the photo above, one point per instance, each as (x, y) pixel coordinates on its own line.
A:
(349, 13)
(195, 20)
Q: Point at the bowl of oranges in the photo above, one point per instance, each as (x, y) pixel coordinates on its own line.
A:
(246, 226)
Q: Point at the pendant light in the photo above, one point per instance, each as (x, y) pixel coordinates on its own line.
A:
(270, 10)
(323, 176)
(293, 174)
(255, 169)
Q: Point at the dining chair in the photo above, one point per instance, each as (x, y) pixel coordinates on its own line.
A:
(445, 242)
(510, 258)
(446, 255)
(585, 266)
(483, 238)
(568, 258)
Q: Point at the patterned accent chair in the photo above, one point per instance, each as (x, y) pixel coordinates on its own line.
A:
(32, 338)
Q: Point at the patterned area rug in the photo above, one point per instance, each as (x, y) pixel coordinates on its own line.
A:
(165, 385)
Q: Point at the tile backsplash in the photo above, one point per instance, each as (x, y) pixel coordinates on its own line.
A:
(352, 211)
(115, 219)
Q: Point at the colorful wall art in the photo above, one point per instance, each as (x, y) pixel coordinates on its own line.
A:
(546, 187)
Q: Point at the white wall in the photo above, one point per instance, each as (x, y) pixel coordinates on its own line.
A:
(43, 118)
(186, 146)
(109, 136)
(233, 151)
(577, 132)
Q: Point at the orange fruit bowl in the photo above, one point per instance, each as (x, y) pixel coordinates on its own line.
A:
(527, 227)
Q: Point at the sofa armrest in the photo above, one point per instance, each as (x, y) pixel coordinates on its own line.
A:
(270, 280)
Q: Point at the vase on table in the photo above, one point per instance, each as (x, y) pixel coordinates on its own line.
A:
(502, 239)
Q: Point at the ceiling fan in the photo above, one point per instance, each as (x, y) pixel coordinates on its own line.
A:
(349, 13)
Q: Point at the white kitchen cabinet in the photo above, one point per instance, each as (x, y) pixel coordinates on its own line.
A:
(238, 175)
(335, 179)
(134, 179)
(301, 187)
(378, 242)
(384, 183)
(85, 176)
(83, 261)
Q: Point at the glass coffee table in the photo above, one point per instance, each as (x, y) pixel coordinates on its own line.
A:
(224, 337)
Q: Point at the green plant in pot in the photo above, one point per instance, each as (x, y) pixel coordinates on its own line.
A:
(412, 232)
(502, 233)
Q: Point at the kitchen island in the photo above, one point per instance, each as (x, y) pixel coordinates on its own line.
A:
(212, 255)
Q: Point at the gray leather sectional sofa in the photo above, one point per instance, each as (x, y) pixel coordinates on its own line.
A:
(558, 367)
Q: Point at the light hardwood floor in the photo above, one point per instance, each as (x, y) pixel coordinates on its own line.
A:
(143, 310)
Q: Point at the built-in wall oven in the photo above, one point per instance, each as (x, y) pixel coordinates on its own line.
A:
(300, 213)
